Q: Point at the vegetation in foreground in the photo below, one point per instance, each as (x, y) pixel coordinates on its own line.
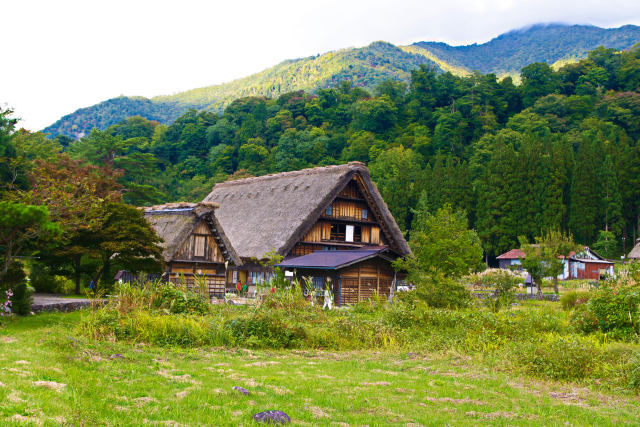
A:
(53, 375)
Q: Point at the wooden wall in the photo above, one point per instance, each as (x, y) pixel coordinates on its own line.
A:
(200, 246)
(359, 282)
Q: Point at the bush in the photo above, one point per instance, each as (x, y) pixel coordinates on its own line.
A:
(178, 301)
(15, 275)
(442, 292)
(616, 311)
(22, 299)
(572, 299)
(559, 357)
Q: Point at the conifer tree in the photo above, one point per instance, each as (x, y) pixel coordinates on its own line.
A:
(611, 198)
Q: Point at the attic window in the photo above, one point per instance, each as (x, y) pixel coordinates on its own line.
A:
(199, 245)
(365, 214)
(329, 210)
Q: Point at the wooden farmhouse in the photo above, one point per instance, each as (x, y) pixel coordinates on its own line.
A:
(336, 211)
(511, 259)
(195, 246)
(634, 255)
(585, 264)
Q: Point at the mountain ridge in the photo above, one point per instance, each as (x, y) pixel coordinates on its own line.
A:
(365, 67)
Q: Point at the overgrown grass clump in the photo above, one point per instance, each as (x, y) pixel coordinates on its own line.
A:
(536, 338)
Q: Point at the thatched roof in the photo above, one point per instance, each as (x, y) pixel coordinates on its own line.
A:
(275, 211)
(174, 222)
(635, 252)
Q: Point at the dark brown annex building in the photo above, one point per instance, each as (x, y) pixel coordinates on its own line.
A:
(334, 210)
(195, 246)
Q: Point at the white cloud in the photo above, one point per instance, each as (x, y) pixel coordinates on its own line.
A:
(70, 54)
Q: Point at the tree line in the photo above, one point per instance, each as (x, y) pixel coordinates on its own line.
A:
(558, 151)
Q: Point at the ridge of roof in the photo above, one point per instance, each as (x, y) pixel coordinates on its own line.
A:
(290, 174)
(184, 206)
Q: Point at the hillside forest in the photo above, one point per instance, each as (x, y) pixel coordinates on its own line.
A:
(558, 151)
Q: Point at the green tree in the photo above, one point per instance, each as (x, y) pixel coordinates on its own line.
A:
(442, 244)
(22, 229)
(396, 172)
(126, 239)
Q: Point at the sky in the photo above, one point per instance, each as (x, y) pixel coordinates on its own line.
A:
(61, 55)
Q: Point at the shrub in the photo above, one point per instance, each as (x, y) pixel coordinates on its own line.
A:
(616, 309)
(504, 283)
(15, 275)
(442, 292)
(572, 299)
(177, 301)
(633, 370)
(559, 357)
(265, 329)
(22, 299)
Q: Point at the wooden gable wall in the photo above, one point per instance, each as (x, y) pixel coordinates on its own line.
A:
(349, 207)
(200, 246)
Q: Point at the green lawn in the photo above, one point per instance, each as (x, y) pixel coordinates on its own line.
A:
(50, 375)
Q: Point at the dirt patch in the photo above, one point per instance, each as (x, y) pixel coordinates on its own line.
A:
(21, 362)
(279, 390)
(569, 398)
(376, 383)
(26, 420)
(7, 340)
(318, 412)
(380, 371)
(19, 372)
(144, 400)
(181, 395)
(267, 363)
(456, 401)
(14, 397)
(186, 378)
(492, 415)
(50, 384)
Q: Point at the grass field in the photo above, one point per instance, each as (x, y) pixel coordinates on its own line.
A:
(51, 375)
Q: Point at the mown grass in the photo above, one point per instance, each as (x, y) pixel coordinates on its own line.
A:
(127, 383)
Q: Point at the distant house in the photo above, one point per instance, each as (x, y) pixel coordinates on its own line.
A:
(329, 223)
(587, 264)
(511, 260)
(195, 245)
(634, 255)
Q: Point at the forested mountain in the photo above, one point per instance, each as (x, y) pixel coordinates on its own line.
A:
(559, 151)
(363, 67)
(550, 43)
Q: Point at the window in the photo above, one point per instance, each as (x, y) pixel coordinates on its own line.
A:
(357, 233)
(365, 214)
(199, 245)
(257, 277)
(329, 210)
(318, 283)
(337, 232)
(349, 233)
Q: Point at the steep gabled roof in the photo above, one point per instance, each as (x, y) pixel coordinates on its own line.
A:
(512, 254)
(635, 252)
(174, 222)
(273, 212)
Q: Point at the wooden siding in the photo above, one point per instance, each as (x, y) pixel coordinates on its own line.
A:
(201, 245)
(351, 191)
(348, 210)
(361, 281)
